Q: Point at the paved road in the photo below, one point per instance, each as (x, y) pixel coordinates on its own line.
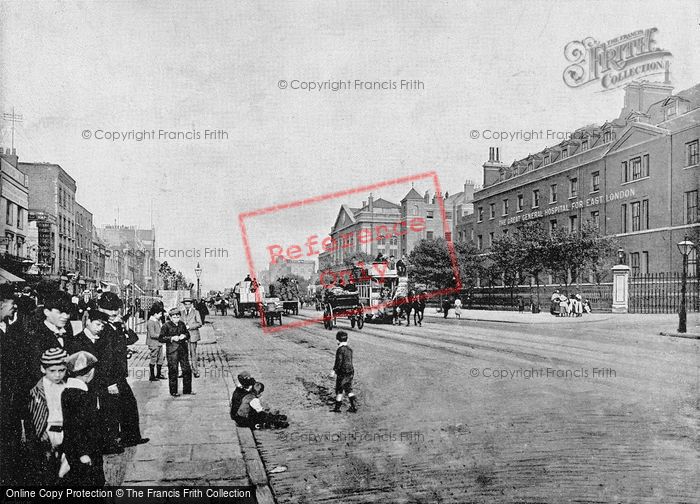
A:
(582, 413)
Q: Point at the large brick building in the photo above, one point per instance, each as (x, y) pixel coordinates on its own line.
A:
(83, 242)
(636, 177)
(52, 190)
(14, 200)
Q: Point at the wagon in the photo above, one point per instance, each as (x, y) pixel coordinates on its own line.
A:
(347, 305)
(272, 310)
(245, 298)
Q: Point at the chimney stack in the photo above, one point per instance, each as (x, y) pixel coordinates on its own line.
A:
(492, 166)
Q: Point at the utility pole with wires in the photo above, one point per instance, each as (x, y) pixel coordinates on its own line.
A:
(15, 118)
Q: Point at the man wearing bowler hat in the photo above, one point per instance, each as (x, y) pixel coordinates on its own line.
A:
(175, 335)
(121, 413)
(193, 321)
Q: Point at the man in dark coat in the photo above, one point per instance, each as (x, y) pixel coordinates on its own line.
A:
(344, 373)
(26, 305)
(12, 401)
(202, 309)
(119, 407)
(86, 340)
(175, 335)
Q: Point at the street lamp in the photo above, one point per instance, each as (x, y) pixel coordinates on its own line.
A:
(620, 256)
(198, 272)
(685, 247)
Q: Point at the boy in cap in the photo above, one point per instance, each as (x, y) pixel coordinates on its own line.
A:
(46, 415)
(252, 414)
(245, 384)
(193, 321)
(344, 372)
(51, 331)
(175, 335)
(82, 431)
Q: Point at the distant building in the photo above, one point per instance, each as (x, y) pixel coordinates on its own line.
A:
(130, 255)
(52, 191)
(41, 241)
(99, 256)
(283, 267)
(83, 243)
(14, 205)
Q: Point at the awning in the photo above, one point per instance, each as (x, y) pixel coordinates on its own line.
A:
(7, 277)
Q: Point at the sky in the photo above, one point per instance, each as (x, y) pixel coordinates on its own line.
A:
(75, 69)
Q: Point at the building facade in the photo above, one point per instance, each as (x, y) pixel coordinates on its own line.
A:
(283, 267)
(41, 241)
(14, 205)
(83, 243)
(52, 190)
(636, 178)
(130, 255)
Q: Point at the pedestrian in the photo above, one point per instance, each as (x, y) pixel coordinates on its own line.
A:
(202, 309)
(50, 328)
(554, 307)
(26, 305)
(458, 308)
(244, 386)
(175, 335)
(193, 321)
(121, 414)
(251, 412)
(156, 314)
(45, 432)
(82, 432)
(13, 393)
(344, 372)
(446, 304)
(579, 306)
(563, 305)
(401, 265)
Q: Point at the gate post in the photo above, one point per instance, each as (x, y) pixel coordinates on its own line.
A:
(620, 294)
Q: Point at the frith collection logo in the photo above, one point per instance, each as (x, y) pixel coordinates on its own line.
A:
(615, 62)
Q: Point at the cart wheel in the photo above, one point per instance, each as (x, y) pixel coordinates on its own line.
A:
(361, 321)
(352, 322)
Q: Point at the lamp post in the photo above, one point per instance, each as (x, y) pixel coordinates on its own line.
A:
(620, 256)
(198, 272)
(685, 247)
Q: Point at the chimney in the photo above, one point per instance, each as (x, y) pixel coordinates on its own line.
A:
(639, 96)
(370, 202)
(492, 167)
(426, 197)
(364, 203)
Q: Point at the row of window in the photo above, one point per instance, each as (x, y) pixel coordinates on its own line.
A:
(9, 213)
(635, 168)
(639, 213)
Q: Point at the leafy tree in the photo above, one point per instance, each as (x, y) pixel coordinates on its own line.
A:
(430, 263)
(534, 243)
(507, 257)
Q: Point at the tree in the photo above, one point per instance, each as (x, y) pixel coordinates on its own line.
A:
(430, 263)
(357, 257)
(533, 242)
(506, 257)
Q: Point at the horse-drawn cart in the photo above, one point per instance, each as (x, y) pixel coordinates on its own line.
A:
(272, 310)
(342, 304)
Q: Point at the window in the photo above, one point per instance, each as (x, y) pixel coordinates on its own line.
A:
(430, 214)
(645, 262)
(623, 218)
(691, 207)
(535, 198)
(645, 214)
(573, 223)
(505, 207)
(671, 110)
(490, 239)
(645, 165)
(584, 144)
(430, 235)
(553, 193)
(8, 216)
(634, 263)
(552, 226)
(480, 214)
(546, 160)
(595, 218)
(607, 136)
(625, 173)
(693, 262)
(595, 181)
(573, 187)
(521, 202)
(530, 166)
(480, 242)
(20, 217)
(636, 216)
(492, 210)
(692, 157)
(636, 168)
(565, 153)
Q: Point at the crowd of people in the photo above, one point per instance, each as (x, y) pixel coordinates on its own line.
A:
(64, 396)
(569, 306)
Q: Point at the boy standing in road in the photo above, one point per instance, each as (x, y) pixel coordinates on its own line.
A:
(175, 335)
(344, 373)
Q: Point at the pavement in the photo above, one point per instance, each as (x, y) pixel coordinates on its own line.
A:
(193, 441)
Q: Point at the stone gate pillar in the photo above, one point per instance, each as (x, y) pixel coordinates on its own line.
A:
(620, 293)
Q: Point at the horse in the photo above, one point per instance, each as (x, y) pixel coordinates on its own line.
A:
(402, 306)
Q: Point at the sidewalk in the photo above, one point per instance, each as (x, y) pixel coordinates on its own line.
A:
(649, 323)
(193, 441)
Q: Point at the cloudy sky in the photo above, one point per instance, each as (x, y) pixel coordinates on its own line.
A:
(135, 66)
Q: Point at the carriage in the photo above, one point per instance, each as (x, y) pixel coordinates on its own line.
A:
(287, 289)
(245, 300)
(340, 303)
(272, 310)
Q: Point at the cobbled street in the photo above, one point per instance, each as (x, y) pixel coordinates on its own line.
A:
(438, 424)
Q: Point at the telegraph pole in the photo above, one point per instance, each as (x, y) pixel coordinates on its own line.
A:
(15, 118)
